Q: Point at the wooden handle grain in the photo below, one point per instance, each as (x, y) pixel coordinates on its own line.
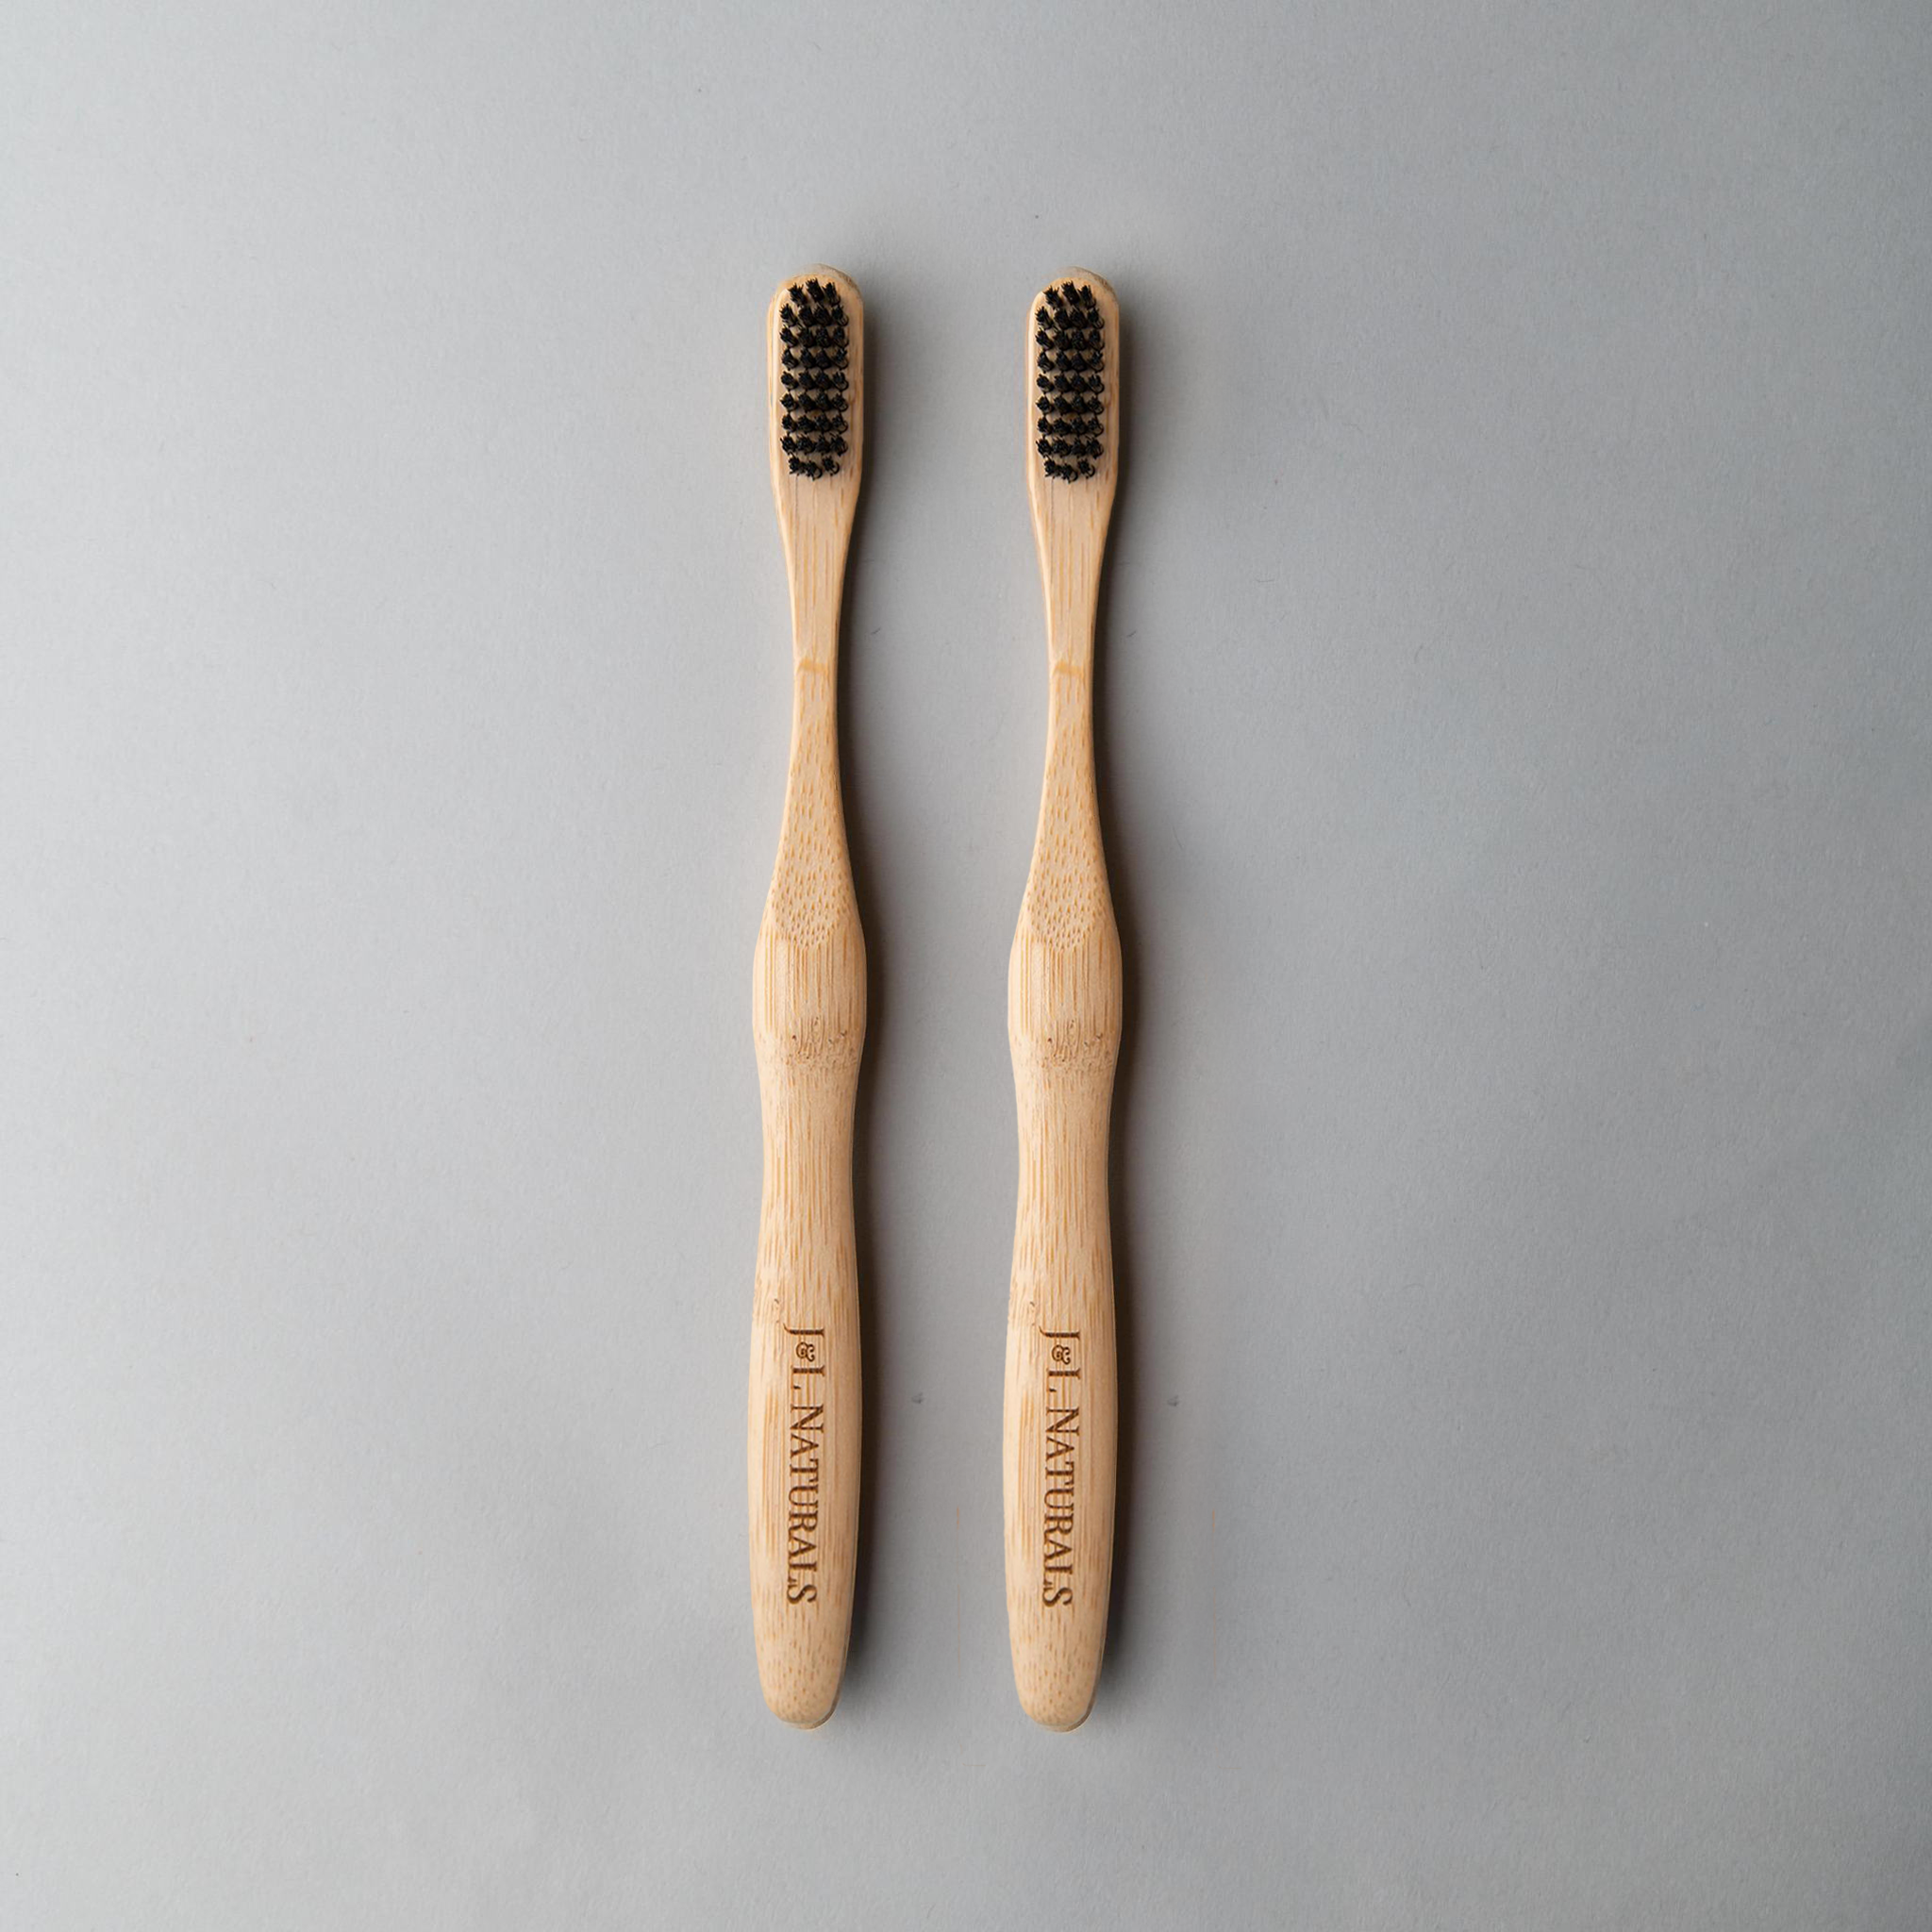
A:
(1064, 1024)
(1061, 1400)
(804, 1416)
(809, 1027)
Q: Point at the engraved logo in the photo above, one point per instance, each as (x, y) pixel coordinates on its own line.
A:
(1063, 1412)
(803, 1447)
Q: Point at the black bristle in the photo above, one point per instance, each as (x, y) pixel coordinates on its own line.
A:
(813, 377)
(1071, 381)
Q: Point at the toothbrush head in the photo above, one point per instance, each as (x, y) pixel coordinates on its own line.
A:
(1070, 379)
(814, 336)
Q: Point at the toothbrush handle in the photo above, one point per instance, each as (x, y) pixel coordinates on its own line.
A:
(803, 1434)
(1061, 1402)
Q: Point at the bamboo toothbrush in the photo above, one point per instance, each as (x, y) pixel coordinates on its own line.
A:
(809, 1026)
(1063, 1022)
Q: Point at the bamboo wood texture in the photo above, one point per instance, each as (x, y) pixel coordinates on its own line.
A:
(809, 1026)
(1063, 1022)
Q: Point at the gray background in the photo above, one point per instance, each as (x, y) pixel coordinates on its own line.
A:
(1517, 724)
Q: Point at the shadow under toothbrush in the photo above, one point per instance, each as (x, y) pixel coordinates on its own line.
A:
(874, 1304)
(1152, 364)
(1118, 1671)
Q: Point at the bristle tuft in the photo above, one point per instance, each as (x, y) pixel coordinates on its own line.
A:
(1071, 334)
(812, 373)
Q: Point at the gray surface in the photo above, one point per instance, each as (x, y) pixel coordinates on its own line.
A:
(1517, 744)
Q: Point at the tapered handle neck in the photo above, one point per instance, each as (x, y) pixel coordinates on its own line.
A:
(1069, 577)
(815, 547)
